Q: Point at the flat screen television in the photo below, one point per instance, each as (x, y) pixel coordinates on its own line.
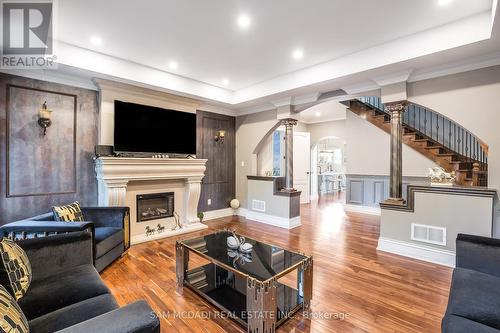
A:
(148, 129)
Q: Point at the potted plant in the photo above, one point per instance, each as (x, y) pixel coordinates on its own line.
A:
(200, 216)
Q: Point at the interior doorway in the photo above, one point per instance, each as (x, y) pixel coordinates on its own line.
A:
(328, 168)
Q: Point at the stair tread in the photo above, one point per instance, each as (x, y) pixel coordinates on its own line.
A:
(422, 140)
(434, 147)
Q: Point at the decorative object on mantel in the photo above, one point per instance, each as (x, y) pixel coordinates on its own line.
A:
(268, 173)
(150, 231)
(439, 176)
(238, 243)
(219, 136)
(160, 228)
(178, 224)
(44, 117)
(235, 204)
(200, 216)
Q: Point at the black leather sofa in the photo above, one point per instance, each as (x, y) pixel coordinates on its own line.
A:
(109, 226)
(474, 301)
(67, 295)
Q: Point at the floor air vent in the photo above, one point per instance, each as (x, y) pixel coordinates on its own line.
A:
(428, 234)
(259, 205)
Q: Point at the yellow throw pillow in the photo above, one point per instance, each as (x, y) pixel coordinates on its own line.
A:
(17, 267)
(12, 319)
(68, 213)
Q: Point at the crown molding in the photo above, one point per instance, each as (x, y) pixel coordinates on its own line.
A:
(361, 87)
(488, 60)
(310, 98)
(282, 102)
(393, 78)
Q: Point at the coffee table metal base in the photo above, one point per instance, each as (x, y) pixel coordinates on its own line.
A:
(261, 312)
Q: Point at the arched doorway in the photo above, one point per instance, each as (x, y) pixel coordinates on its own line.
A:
(328, 167)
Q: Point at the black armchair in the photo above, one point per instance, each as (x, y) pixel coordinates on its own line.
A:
(474, 300)
(67, 295)
(108, 225)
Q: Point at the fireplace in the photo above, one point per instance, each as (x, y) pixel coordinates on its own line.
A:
(155, 206)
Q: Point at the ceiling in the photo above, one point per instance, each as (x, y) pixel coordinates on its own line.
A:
(348, 45)
(202, 37)
(327, 111)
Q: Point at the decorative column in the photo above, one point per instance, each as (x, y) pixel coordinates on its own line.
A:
(396, 110)
(289, 123)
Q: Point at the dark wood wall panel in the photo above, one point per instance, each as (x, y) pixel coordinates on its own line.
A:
(37, 172)
(219, 182)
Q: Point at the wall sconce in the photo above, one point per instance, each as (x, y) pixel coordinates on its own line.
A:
(44, 117)
(219, 136)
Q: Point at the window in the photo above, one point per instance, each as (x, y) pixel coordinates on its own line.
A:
(277, 156)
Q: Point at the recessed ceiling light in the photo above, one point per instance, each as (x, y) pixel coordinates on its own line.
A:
(96, 40)
(244, 21)
(225, 82)
(297, 54)
(318, 114)
(173, 65)
(444, 2)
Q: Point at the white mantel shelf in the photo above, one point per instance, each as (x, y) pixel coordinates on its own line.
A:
(132, 168)
(114, 173)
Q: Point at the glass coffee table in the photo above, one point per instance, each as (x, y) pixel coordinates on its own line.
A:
(246, 286)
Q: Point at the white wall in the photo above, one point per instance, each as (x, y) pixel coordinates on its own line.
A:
(327, 129)
(265, 157)
(368, 151)
(250, 129)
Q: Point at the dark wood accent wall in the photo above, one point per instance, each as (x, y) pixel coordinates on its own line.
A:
(219, 182)
(37, 171)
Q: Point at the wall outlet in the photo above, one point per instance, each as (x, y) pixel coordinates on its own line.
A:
(209, 202)
(242, 163)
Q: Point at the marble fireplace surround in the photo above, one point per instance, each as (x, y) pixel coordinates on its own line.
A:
(115, 173)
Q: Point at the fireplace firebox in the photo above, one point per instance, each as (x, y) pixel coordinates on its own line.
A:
(155, 206)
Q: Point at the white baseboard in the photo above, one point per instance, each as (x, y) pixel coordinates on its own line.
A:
(362, 209)
(417, 251)
(215, 214)
(272, 220)
(242, 212)
(168, 233)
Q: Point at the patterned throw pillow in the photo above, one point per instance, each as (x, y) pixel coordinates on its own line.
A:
(12, 319)
(17, 267)
(68, 213)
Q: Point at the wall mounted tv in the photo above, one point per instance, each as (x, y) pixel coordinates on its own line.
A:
(148, 129)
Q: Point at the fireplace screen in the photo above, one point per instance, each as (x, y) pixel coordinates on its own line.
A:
(155, 206)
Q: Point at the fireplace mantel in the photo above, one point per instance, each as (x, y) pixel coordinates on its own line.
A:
(126, 169)
(114, 174)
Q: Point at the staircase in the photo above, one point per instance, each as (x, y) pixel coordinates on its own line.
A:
(440, 139)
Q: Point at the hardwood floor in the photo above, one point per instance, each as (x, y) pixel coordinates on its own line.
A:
(365, 290)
